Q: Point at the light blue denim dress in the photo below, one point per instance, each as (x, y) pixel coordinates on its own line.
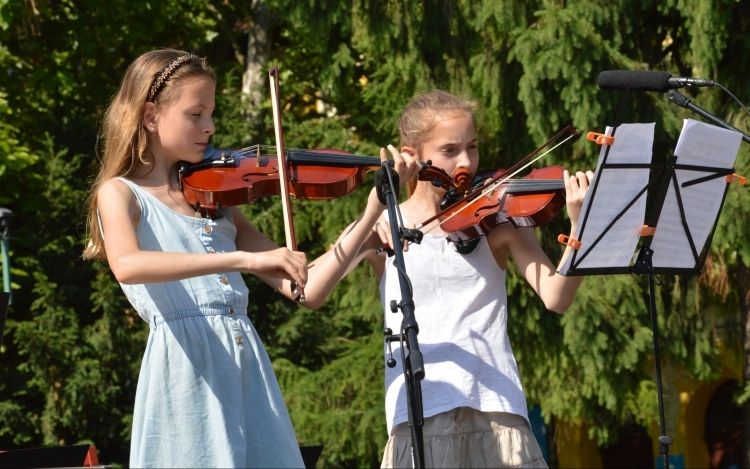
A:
(207, 395)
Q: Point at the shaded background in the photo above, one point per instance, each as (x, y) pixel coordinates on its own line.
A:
(70, 359)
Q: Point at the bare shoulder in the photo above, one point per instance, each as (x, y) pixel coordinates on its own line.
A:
(115, 195)
(115, 188)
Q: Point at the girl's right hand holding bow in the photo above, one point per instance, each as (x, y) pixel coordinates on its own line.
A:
(279, 263)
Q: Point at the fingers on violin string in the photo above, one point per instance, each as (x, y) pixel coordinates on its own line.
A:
(583, 181)
(398, 160)
(383, 155)
(581, 177)
(568, 186)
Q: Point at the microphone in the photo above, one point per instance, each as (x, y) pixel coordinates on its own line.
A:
(646, 80)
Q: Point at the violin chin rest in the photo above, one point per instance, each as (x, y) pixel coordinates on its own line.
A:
(467, 247)
(208, 153)
(449, 198)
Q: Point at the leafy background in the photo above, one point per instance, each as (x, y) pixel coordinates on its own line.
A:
(73, 344)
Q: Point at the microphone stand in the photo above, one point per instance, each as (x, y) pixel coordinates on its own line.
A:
(682, 100)
(413, 363)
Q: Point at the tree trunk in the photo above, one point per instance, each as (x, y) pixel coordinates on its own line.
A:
(744, 282)
(255, 79)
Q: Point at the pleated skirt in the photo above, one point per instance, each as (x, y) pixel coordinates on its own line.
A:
(467, 438)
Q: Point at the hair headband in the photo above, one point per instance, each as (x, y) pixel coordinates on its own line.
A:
(161, 78)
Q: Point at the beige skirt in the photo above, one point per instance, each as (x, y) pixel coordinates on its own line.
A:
(466, 437)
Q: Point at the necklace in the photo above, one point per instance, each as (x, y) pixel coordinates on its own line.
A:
(420, 208)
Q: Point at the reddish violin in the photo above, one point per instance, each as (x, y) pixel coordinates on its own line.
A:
(523, 202)
(237, 177)
(497, 198)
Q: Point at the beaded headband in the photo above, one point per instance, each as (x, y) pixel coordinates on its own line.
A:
(161, 78)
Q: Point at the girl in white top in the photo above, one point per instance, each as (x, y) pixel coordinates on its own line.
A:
(474, 406)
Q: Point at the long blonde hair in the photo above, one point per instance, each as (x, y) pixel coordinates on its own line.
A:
(124, 139)
(423, 112)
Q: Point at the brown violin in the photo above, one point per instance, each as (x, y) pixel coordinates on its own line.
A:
(529, 201)
(234, 177)
(497, 198)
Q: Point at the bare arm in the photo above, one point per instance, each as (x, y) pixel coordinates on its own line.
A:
(120, 213)
(358, 241)
(556, 291)
(327, 271)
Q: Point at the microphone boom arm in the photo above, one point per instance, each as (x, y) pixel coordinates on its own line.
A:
(683, 101)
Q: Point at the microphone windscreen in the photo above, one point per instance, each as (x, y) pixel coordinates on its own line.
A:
(636, 80)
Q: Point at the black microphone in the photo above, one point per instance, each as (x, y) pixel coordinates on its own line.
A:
(646, 80)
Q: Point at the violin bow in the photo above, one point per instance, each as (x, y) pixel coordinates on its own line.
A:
(291, 241)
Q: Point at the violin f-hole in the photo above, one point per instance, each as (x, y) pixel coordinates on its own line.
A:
(248, 176)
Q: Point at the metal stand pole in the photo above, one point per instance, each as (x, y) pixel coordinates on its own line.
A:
(644, 265)
(413, 363)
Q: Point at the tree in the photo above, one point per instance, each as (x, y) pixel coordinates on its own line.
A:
(73, 347)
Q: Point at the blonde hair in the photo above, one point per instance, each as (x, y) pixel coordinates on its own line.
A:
(422, 114)
(123, 137)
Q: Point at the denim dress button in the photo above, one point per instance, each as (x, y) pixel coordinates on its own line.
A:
(224, 280)
(239, 340)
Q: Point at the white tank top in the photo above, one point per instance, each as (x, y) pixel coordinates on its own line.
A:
(461, 309)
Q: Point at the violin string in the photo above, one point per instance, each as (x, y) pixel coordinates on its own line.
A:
(302, 155)
(492, 187)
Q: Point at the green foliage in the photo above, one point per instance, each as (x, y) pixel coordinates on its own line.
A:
(72, 350)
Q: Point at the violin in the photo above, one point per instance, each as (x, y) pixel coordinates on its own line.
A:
(497, 198)
(235, 177)
(529, 201)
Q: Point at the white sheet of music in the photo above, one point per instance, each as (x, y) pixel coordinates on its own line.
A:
(699, 144)
(616, 189)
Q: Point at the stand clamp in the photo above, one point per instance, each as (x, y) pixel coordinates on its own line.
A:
(389, 337)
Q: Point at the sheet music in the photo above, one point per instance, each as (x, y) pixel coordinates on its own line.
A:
(704, 145)
(615, 190)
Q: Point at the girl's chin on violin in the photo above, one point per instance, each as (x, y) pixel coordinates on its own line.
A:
(198, 155)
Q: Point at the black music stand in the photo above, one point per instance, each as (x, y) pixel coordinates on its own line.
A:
(669, 181)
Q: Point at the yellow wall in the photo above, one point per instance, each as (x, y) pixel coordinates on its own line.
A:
(574, 447)
(686, 401)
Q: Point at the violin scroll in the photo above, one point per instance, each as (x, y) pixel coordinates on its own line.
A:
(460, 182)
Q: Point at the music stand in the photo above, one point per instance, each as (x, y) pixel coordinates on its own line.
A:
(615, 223)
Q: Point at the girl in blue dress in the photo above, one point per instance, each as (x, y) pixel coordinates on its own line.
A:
(207, 395)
